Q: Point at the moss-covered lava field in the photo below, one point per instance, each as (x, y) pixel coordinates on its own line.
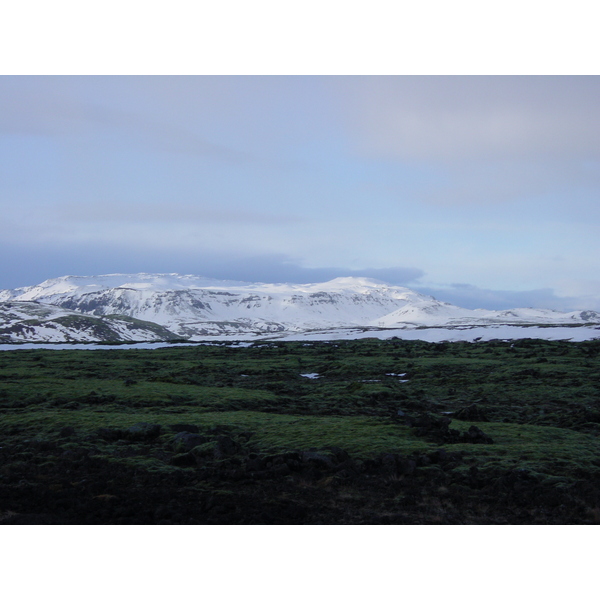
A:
(348, 432)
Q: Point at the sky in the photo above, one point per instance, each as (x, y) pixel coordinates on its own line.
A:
(483, 191)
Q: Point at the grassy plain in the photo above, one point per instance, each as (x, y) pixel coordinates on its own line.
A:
(275, 446)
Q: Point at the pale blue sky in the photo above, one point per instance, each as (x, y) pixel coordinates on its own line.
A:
(484, 191)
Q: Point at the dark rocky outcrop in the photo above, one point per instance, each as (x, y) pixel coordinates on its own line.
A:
(471, 413)
(185, 427)
(143, 432)
(184, 441)
(437, 429)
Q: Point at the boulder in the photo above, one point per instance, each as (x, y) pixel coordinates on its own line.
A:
(317, 459)
(204, 451)
(279, 470)
(184, 441)
(254, 463)
(438, 456)
(388, 462)
(183, 460)
(143, 432)
(405, 466)
(67, 432)
(476, 436)
(226, 446)
(338, 454)
(111, 434)
(179, 427)
(471, 413)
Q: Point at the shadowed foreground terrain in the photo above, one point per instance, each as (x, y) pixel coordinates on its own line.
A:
(353, 432)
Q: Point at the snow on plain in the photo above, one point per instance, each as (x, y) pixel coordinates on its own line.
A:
(473, 334)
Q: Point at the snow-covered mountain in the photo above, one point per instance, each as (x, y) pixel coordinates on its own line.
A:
(34, 321)
(195, 307)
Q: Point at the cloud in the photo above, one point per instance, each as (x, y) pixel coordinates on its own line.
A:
(149, 212)
(487, 182)
(456, 118)
(160, 135)
(279, 268)
(471, 296)
(52, 107)
(484, 139)
(29, 264)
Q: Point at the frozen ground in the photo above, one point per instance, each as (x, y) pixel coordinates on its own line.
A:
(431, 334)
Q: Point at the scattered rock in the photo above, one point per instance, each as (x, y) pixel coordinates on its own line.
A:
(254, 464)
(43, 445)
(405, 466)
(183, 460)
(110, 434)
(471, 413)
(280, 470)
(67, 432)
(225, 446)
(142, 432)
(423, 460)
(438, 456)
(317, 459)
(184, 441)
(338, 454)
(204, 451)
(476, 436)
(437, 429)
(179, 427)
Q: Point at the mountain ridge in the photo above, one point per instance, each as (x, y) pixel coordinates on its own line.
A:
(193, 307)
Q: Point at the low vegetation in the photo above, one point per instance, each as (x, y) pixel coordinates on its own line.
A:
(302, 432)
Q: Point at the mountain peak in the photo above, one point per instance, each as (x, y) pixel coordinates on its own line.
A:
(351, 282)
(194, 307)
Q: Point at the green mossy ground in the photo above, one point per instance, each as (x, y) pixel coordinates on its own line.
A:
(540, 401)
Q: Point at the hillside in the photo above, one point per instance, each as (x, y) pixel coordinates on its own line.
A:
(193, 308)
(34, 321)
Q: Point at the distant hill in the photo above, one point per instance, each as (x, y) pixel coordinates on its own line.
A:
(145, 307)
